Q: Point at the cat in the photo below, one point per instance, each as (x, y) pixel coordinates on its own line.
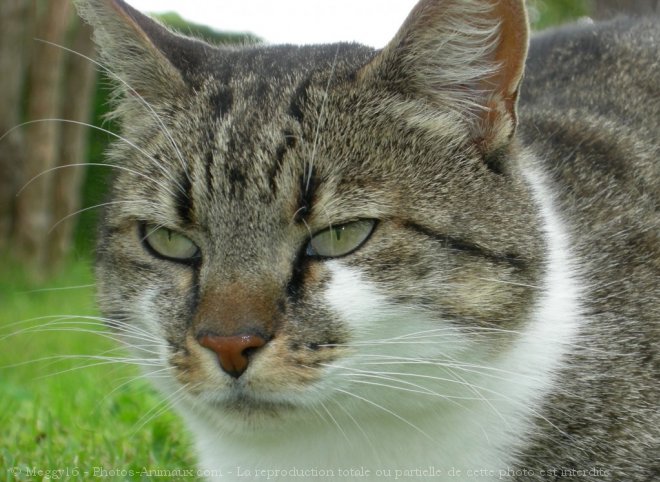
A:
(351, 263)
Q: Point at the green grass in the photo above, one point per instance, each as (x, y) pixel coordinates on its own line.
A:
(58, 413)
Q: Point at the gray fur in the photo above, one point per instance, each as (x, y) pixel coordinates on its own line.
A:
(599, 139)
(249, 150)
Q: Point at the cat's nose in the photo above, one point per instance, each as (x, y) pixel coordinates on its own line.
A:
(233, 351)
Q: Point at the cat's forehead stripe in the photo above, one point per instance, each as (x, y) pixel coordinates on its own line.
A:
(221, 102)
(248, 148)
(308, 185)
(183, 200)
(298, 99)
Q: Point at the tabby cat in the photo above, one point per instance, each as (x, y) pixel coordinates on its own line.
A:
(351, 263)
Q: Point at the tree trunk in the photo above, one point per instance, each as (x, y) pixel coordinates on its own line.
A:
(15, 20)
(33, 219)
(80, 78)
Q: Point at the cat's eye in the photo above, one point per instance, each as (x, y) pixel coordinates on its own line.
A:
(340, 240)
(169, 244)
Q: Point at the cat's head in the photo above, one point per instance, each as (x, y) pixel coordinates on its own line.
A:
(283, 218)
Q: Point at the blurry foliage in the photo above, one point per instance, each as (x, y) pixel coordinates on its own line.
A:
(542, 13)
(546, 13)
(204, 32)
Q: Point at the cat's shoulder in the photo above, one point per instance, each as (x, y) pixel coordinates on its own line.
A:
(591, 96)
(602, 66)
(590, 111)
(592, 36)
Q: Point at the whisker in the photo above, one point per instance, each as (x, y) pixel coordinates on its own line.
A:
(134, 93)
(395, 415)
(462, 331)
(163, 406)
(470, 332)
(74, 329)
(423, 391)
(446, 363)
(67, 322)
(62, 288)
(55, 319)
(424, 376)
(472, 385)
(392, 342)
(98, 164)
(149, 348)
(357, 424)
(474, 389)
(334, 420)
(477, 369)
(318, 413)
(101, 362)
(356, 372)
(128, 381)
(89, 208)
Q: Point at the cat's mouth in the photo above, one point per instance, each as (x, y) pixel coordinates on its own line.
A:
(251, 411)
(246, 403)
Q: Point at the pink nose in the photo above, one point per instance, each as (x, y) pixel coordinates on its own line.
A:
(233, 351)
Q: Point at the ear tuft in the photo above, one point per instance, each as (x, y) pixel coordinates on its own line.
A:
(150, 60)
(462, 56)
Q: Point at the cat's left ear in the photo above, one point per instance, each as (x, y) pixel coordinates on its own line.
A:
(151, 60)
(465, 56)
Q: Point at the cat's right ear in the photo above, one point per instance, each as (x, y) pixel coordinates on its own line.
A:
(148, 59)
(464, 57)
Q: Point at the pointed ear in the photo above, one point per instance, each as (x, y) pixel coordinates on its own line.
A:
(150, 60)
(465, 56)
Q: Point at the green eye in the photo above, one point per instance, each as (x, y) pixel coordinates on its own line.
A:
(340, 240)
(169, 244)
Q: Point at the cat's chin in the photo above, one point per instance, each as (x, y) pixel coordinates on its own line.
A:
(245, 413)
(247, 403)
(248, 406)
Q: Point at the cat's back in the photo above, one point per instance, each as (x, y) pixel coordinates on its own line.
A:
(590, 112)
(609, 69)
(590, 109)
(594, 89)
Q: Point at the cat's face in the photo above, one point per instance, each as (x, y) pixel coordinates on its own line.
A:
(284, 220)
